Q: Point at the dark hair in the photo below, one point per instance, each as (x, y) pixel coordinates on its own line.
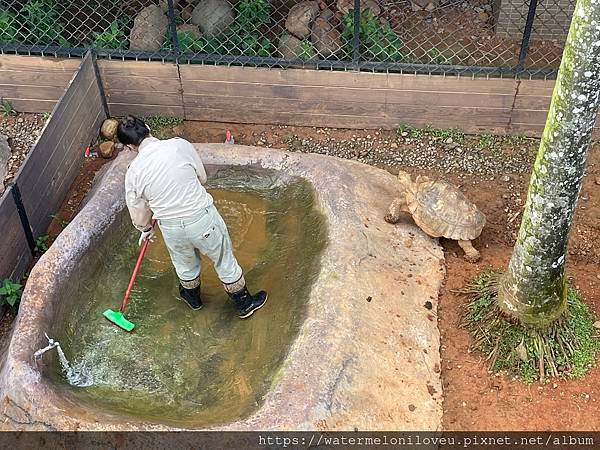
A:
(132, 131)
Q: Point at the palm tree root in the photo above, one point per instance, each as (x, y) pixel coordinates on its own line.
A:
(566, 348)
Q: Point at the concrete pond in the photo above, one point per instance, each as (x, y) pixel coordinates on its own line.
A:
(345, 341)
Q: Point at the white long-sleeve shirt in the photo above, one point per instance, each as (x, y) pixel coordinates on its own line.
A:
(165, 180)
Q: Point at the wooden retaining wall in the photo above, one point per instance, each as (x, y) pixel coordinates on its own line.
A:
(288, 97)
(323, 98)
(52, 164)
(34, 84)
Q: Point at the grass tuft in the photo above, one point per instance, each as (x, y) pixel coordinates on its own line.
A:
(162, 126)
(565, 349)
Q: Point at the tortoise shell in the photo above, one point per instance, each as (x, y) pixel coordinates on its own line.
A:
(440, 209)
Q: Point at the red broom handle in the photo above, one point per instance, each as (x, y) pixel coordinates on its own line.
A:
(136, 269)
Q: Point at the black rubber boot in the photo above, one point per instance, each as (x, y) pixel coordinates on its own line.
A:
(246, 303)
(191, 297)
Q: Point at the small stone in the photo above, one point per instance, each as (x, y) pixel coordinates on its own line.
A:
(449, 140)
(483, 17)
(106, 149)
(597, 324)
(597, 181)
(394, 145)
(404, 134)
(108, 130)
(428, 305)
(411, 408)
(506, 178)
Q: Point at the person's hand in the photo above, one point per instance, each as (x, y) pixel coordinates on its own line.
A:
(147, 234)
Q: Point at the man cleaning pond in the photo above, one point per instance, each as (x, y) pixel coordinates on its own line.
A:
(165, 182)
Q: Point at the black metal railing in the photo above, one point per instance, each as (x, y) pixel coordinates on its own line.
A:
(490, 37)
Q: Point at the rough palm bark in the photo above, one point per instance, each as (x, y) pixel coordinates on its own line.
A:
(533, 290)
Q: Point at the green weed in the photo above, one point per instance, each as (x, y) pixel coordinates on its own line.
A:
(111, 38)
(6, 107)
(10, 293)
(307, 51)
(8, 28)
(41, 244)
(41, 19)
(161, 127)
(567, 348)
(245, 36)
(435, 56)
(378, 42)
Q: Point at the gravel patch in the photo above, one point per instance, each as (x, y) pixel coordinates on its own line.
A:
(22, 132)
(471, 155)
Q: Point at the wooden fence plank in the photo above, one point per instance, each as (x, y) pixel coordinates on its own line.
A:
(259, 116)
(276, 105)
(305, 77)
(30, 92)
(36, 78)
(34, 84)
(143, 98)
(122, 109)
(328, 93)
(128, 69)
(47, 65)
(148, 85)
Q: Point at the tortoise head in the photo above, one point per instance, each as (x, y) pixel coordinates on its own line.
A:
(406, 181)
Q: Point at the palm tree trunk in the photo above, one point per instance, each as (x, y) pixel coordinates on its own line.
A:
(533, 290)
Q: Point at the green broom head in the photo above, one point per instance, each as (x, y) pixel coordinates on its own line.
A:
(118, 319)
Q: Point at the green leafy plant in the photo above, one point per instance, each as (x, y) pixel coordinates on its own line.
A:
(8, 28)
(111, 38)
(486, 141)
(41, 18)
(162, 126)
(10, 293)
(435, 56)
(41, 244)
(307, 51)
(378, 42)
(244, 37)
(7, 108)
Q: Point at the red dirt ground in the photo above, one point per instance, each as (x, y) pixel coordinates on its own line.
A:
(474, 399)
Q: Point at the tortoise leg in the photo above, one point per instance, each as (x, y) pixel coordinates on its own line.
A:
(471, 253)
(393, 214)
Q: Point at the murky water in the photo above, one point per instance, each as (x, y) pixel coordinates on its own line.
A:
(184, 367)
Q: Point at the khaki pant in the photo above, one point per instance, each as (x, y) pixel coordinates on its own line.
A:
(205, 233)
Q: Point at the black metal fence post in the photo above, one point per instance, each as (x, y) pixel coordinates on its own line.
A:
(356, 36)
(526, 35)
(16, 193)
(173, 28)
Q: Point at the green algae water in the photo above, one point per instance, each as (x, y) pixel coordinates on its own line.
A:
(194, 368)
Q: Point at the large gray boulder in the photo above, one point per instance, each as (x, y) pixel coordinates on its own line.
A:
(301, 17)
(149, 29)
(4, 157)
(325, 38)
(213, 17)
(289, 46)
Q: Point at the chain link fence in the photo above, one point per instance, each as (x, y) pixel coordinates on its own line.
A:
(492, 37)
